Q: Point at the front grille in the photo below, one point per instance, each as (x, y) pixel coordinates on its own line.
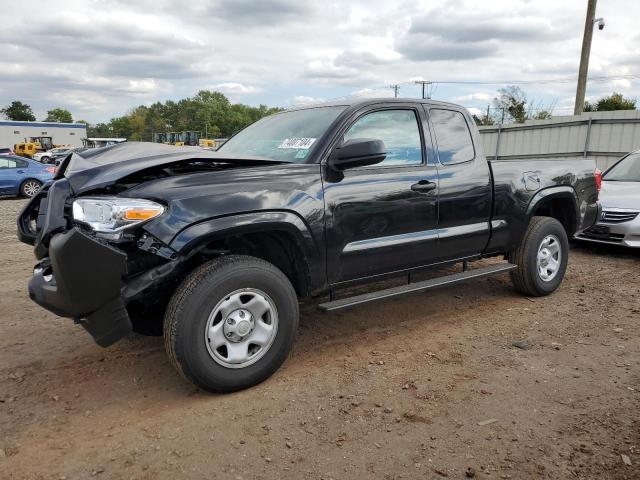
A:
(618, 216)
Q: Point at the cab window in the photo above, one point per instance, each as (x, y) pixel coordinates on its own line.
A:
(452, 136)
(398, 129)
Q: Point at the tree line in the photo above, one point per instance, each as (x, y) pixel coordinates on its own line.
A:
(208, 112)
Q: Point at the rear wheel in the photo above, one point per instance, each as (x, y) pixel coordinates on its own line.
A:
(30, 187)
(44, 159)
(231, 323)
(542, 257)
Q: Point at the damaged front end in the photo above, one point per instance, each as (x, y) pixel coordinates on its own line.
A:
(83, 276)
(97, 262)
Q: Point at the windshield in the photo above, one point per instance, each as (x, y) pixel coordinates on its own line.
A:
(288, 136)
(626, 170)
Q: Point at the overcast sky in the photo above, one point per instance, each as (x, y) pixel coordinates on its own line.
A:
(100, 58)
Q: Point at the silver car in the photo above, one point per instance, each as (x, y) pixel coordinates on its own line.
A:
(619, 223)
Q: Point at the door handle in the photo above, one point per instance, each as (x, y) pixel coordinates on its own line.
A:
(423, 186)
(20, 171)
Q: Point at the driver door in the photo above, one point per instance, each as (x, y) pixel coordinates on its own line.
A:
(383, 218)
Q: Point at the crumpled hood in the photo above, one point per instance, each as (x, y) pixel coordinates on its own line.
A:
(99, 167)
(620, 195)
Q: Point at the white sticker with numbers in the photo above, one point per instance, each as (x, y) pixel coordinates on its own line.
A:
(297, 143)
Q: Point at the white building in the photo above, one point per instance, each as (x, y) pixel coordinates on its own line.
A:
(71, 134)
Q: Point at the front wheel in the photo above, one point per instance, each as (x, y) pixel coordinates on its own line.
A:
(231, 323)
(541, 258)
(30, 187)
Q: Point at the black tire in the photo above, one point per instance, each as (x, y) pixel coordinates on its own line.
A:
(527, 278)
(188, 312)
(27, 187)
(44, 159)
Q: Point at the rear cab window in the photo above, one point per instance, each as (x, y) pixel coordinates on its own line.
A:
(452, 135)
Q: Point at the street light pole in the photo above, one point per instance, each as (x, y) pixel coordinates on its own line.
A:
(584, 57)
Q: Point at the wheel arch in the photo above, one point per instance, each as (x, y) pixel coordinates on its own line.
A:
(559, 202)
(279, 237)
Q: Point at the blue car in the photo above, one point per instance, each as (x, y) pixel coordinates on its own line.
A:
(22, 177)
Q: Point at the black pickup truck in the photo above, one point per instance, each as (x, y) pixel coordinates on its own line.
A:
(216, 247)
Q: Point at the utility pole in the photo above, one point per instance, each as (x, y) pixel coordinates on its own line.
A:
(424, 83)
(396, 89)
(584, 56)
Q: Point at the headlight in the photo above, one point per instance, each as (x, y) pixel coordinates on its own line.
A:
(111, 214)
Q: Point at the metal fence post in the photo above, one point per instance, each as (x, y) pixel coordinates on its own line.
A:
(587, 138)
(498, 141)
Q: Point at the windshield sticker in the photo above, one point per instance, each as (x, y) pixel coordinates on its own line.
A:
(297, 143)
(302, 153)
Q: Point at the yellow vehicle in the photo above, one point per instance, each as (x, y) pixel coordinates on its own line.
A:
(179, 139)
(33, 146)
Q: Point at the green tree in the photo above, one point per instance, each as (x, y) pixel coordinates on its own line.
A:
(513, 101)
(615, 101)
(120, 127)
(484, 119)
(59, 115)
(542, 115)
(99, 130)
(138, 124)
(206, 112)
(18, 111)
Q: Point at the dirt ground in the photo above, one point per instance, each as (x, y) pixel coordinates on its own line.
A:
(425, 386)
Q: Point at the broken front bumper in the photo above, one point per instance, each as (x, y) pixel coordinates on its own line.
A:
(78, 276)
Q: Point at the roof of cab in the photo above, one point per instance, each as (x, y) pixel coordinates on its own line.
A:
(362, 102)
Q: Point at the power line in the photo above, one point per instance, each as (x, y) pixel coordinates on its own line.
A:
(435, 83)
(530, 82)
(601, 78)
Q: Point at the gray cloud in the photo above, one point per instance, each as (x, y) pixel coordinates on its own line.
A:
(68, 39)
(354, 59)
(263, 13)
(421, 47)
(455, 33)
(146, 66)
(460, 27)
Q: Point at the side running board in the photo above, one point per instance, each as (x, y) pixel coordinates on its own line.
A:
(416, 287)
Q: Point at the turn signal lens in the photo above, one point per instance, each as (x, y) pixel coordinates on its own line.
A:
(598, 175)
(141, 214)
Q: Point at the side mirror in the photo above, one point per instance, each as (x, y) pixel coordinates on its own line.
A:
(357, 152)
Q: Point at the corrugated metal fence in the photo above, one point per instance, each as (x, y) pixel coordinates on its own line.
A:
(603, 136)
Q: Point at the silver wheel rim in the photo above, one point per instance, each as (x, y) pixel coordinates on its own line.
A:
(31, 188)
(241, 328)
(549, 258)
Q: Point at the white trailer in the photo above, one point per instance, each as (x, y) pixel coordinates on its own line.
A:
(67, 134)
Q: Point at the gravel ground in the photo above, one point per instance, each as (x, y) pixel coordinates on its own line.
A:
(425, 386)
